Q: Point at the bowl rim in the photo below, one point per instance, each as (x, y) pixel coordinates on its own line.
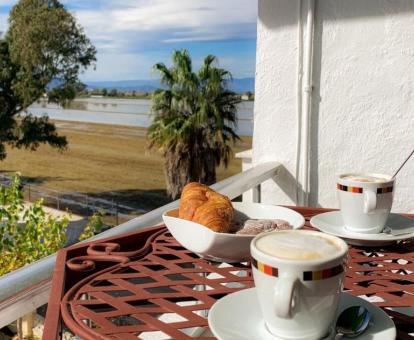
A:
(205, 228)
(233, 235)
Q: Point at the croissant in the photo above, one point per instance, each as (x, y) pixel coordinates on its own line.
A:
(203, 205)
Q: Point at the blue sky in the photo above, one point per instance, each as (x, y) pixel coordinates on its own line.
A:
(132, 35)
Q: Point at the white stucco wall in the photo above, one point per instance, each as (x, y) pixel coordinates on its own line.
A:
(363, 97)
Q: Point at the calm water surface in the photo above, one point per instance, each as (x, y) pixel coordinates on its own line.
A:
(132, 112)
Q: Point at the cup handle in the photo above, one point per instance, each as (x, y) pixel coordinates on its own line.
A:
(370, 201)
(283, 296)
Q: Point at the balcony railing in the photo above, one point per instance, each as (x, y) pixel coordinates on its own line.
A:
(28, 288)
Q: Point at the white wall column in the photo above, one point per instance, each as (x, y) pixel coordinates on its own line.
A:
(275, 112)
(362, 112)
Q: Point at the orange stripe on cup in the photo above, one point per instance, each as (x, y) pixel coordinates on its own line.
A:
(307, 276)
(349, 188)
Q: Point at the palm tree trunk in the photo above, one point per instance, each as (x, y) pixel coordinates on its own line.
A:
(209, 169)
(177, 168)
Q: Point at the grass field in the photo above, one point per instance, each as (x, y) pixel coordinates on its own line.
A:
(105, 161)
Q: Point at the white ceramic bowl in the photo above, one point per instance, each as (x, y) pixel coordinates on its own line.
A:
(225, 247)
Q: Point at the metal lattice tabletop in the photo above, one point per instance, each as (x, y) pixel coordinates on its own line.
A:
(157, 288)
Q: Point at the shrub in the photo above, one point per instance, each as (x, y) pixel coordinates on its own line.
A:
(28, 234)
(94, 226)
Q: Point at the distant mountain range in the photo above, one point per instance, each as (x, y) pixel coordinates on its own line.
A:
(238, 85)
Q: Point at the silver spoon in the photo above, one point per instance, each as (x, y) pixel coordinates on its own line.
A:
(352, 322)
(409, 156)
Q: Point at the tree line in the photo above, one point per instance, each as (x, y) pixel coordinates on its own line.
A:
(114, 93)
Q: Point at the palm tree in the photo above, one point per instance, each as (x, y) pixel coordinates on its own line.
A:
(194, 117)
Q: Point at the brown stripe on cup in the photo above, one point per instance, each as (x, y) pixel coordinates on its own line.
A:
(359, 190)
(323, 274)
(307, 276)
(264, 268)
(384, 190)
(349, 188)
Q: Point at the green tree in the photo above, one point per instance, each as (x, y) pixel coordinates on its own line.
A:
(104, 92)
(194, 117)
(43, 51)
(95, 226)
(26, 234)
(29, 233)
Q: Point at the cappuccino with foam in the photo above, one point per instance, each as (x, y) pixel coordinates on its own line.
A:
(365, 200)
(298, 246)
(298, 277)
(365, 178)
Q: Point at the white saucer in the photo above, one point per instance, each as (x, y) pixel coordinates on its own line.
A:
(237, 316)
(332, 223)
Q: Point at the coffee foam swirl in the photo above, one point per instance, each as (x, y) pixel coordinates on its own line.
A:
(297, 246)
(365, 179)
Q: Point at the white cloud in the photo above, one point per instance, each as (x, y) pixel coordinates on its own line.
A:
(212, 19)
(119, 65)
(125, 31)
(131, 35)
(174, 21)
(167, 14)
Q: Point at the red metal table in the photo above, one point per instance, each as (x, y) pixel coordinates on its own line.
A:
(146, 284)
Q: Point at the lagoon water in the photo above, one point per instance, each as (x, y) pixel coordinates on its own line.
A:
(131, 112)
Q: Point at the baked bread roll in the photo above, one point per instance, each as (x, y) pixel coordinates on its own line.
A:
(192, 197)
(203, 205)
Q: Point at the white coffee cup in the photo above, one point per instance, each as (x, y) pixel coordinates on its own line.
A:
(365, 201)
(298, 276)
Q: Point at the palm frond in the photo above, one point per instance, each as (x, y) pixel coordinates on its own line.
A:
(194, 120)
(165, 73)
